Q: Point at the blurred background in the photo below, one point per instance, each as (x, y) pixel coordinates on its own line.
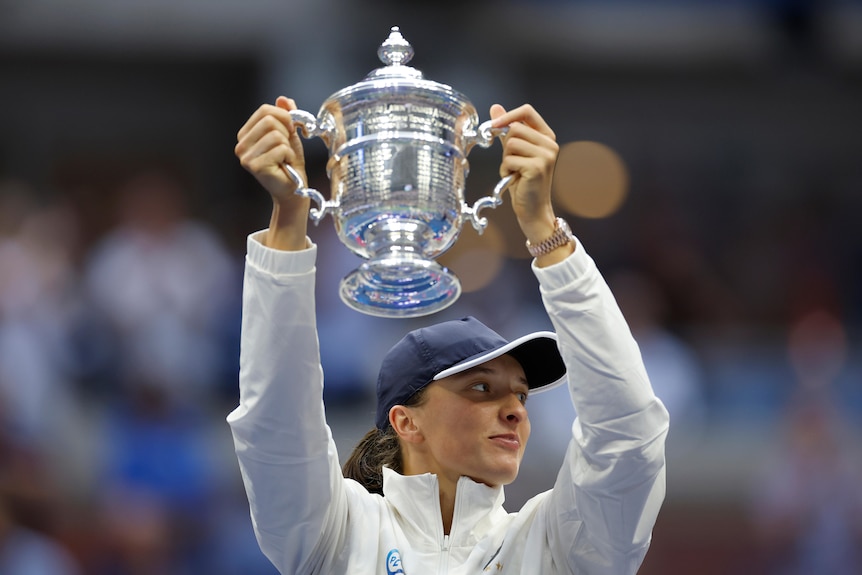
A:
(711, 163)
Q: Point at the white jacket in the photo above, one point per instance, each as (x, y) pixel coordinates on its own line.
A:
(597, 519)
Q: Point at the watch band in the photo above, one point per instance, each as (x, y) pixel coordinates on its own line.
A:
(562, 235)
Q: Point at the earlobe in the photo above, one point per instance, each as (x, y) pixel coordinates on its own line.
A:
(402, 421)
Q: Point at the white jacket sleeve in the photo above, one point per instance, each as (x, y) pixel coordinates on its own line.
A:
(286, 454)
(612, 483)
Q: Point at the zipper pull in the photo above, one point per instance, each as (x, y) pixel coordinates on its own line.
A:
(445, 543)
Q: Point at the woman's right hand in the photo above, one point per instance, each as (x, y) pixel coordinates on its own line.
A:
(265, 143)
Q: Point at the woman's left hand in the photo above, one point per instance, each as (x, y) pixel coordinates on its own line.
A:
(530, 153)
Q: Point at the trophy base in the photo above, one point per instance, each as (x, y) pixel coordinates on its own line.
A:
(398, 288)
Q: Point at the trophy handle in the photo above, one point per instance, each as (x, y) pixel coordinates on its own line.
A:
(492, 201)
(484, 136)
(309, 127)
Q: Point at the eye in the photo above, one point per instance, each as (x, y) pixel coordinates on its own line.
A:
(522, 397)
(480, 387)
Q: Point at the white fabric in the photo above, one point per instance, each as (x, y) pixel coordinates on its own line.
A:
(597, 519)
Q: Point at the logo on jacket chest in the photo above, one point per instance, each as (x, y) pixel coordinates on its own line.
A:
(393, 563)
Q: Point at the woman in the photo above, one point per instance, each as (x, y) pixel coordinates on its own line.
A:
(424, 488)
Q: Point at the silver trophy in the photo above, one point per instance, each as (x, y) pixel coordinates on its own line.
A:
(398, 147)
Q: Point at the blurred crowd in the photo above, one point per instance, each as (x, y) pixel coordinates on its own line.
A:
(117, 365)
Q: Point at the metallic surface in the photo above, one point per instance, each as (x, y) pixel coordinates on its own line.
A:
(398, 147)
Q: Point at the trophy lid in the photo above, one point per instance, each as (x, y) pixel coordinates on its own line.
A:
(395, 78)
(395, 52)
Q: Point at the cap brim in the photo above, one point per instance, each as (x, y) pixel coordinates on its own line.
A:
(550, 382)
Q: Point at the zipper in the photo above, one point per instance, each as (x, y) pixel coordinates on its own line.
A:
(444, 556)
(444, 548)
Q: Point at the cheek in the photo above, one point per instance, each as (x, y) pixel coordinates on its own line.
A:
(453, 426)
(463, 421)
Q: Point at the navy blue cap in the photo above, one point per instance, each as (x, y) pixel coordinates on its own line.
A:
(431, 353)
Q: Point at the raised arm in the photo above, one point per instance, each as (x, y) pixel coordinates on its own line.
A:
(610, 488)
(286, 454)
(602, 509)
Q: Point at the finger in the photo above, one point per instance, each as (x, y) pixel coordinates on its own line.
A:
(522, 132)
(289, 104)
(524, 156)
(527, 115)
(524, 113)
(266, 111)
(526, 167)
(267, 125)
(273, 149)
(268, 163)
(496, 111)
(285, 103)
(527, 158)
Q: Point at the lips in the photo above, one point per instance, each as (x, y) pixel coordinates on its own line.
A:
(507, 441)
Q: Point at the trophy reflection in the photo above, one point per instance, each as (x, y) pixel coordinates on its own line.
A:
(398, 147)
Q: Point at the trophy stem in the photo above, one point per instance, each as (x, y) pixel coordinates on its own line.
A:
(399, 279)
(404, 286)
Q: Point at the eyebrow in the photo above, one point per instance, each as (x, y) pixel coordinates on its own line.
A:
(483, 369)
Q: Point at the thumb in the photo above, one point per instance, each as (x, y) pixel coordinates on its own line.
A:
(285, 103)
(289, 104)
(496, 111)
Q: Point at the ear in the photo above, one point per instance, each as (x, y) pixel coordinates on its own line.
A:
(404, 423)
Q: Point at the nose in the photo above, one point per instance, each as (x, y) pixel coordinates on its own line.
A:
(513, 410)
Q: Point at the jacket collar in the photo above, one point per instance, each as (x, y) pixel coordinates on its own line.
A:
(416, 499)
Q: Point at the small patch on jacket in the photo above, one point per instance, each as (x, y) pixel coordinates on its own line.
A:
(393, 563)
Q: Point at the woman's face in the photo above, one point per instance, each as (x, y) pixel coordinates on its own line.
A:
(473, 424)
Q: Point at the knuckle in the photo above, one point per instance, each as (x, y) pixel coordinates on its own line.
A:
(277, 138)
(269, 122)
(247, 162)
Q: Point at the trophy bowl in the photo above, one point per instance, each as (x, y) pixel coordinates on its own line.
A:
(398, 146)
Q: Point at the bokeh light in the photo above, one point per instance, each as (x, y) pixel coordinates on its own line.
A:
(476, 259)
(591, 180)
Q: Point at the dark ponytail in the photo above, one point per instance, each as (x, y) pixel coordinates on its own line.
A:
(376, 449)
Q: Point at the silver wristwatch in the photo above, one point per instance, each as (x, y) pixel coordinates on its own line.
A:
(562, 235)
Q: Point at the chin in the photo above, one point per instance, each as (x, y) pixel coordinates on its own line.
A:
(498, 479)
(509, 479)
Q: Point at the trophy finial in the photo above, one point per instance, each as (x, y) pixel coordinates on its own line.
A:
(395, 51)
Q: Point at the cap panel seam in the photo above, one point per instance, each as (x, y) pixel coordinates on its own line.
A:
(427, 358)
